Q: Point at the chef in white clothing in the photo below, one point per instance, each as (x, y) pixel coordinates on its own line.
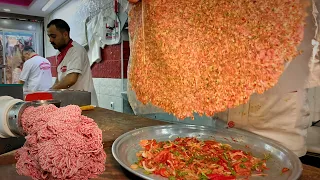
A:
(73, 63)
(36, 72)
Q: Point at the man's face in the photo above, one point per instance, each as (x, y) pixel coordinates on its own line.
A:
(58, 39)
(25, 55)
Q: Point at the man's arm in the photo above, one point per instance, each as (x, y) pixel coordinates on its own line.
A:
(68, 81)
(55, 82)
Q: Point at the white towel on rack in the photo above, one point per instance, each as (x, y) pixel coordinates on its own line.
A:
(96, 33)
(93, 39)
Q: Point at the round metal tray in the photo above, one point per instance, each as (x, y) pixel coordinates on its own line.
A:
(125, 147)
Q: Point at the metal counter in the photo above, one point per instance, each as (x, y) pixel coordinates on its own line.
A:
(67, 97)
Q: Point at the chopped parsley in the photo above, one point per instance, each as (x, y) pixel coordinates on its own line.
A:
(267, 156)
(233, 172)
(243, 166)
(215, 159)
(176, 153)
(190, 160)
(244, 160)
(202, 176)
(181, 173)
(225, 156)
(147, 172)
(224, 147)
(199, 157)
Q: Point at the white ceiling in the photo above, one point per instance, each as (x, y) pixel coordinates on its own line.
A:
(34, 9)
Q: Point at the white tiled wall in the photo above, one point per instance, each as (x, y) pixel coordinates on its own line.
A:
(108, 86)
(108, 92)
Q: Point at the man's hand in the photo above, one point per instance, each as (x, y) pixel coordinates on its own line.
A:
(66, 82)
(21, 82)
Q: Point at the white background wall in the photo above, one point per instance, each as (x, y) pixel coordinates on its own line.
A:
(75, 13)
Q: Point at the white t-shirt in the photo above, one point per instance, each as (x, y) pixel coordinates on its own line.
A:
(76, 61)
(36, 74)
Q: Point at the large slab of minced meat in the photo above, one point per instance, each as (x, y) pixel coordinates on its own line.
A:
(204, 56)
(61, 144)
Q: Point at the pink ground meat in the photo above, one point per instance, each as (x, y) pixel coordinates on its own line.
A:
(60, 144)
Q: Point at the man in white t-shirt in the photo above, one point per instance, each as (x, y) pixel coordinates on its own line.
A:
(36, 73)
(74, 70)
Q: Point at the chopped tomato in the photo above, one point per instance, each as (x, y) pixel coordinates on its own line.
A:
(237, 157)
(162, 157)
(164, 172)
(158, 171)
(210, 142)
(143, 143)
(234, 151)
(147, 147)
(220, 177)
(205, 148)
(222, 163)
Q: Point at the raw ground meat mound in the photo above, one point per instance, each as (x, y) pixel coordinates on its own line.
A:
(206, 56)
(61, 144)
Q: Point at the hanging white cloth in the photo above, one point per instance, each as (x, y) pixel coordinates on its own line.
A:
(103, 29)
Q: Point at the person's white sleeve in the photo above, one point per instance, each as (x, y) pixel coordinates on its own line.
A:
(76, 62)
(25, 71)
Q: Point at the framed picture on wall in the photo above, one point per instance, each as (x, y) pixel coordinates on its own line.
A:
(14, 44)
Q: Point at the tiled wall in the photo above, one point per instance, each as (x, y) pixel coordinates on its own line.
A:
(107, 76)
(109, 91)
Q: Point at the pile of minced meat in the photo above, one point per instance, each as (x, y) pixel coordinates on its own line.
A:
(208, 56)
(60, 144)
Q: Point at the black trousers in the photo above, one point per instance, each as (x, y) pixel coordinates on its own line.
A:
(312, 160)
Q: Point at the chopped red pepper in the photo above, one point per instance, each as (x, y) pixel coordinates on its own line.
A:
(285, 170)
(220, 177)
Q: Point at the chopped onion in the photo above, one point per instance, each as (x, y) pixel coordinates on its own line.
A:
(145, 167)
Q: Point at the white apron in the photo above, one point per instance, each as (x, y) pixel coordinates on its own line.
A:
(282, 113)
(284, 118)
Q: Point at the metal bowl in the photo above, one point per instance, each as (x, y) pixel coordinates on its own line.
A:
(126, 146)
(57, 103)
